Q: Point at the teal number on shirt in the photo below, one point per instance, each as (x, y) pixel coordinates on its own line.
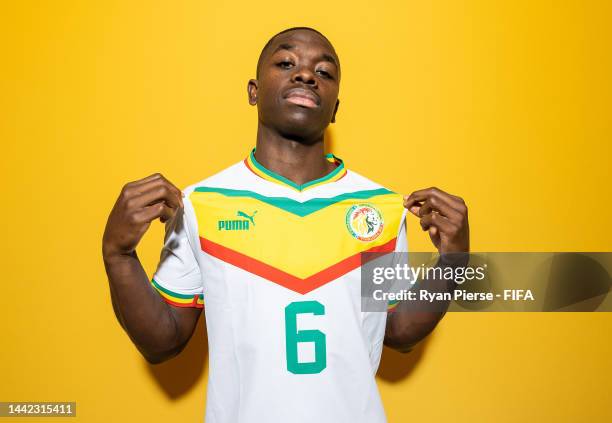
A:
(293, 337)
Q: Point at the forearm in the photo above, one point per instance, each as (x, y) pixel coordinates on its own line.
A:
(406, 326)
(412, 320)
(140, 310)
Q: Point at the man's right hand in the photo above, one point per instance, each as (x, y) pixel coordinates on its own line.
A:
(139, 203)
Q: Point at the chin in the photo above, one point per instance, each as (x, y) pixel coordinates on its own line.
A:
(303, 122)
(302, 130)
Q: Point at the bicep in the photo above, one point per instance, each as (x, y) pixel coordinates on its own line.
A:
(186, 319)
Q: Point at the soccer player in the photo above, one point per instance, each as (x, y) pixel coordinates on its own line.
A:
(270, 248)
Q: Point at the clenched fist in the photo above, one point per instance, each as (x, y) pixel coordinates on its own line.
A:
(139, 203)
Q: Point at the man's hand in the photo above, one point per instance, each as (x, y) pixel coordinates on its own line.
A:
(159, 330)
(139, 203)
(444, 216)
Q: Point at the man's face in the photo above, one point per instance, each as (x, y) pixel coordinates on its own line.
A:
(297, 89)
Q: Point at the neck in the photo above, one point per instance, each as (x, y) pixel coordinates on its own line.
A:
(298, 161)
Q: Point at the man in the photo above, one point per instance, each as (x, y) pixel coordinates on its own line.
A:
(271, 245)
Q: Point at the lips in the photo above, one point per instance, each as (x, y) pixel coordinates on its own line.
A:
(302, 97)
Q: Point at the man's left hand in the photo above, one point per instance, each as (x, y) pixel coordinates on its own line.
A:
(445, 217)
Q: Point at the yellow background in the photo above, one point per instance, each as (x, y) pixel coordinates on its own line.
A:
(505, 103)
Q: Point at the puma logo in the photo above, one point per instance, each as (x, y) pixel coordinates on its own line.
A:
(246, 216)
(238, 224)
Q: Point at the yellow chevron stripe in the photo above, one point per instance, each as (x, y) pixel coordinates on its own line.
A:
(297, 245)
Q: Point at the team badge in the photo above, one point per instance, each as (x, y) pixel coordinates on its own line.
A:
(364, 222)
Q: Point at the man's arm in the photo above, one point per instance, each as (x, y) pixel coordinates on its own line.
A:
(444, 216)
(411, 321)
(159, 330)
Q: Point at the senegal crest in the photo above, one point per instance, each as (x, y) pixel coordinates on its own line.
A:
(364, 222)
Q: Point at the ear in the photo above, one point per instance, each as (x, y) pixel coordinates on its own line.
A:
(252, 91)
(335, 110)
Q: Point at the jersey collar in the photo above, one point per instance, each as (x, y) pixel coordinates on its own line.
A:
(258, 169)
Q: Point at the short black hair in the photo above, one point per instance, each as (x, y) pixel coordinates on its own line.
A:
(295, 28)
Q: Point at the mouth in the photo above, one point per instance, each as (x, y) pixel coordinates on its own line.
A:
(302, 97)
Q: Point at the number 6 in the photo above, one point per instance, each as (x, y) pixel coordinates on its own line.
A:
(294, 336)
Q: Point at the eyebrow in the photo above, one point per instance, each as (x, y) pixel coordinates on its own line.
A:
(326, 57)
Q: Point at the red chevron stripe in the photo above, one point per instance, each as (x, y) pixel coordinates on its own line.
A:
(271, 273)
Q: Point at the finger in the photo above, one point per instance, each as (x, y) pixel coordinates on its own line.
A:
(150, 213)
(147, 179)
(413, 206)
(433, 231)
(425, 194)
(434, 204)
(154, 184)
(156, 194)
(436, 220)
(145, 184)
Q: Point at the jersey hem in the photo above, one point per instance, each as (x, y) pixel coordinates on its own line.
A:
(177, 299)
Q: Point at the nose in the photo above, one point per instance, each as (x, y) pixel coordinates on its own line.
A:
(305, 76)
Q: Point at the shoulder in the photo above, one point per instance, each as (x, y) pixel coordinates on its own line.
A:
(229, 177)
(375, 196)
(358, 182)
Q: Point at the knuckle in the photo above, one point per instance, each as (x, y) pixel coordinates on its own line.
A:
(133, 218)
(166, 190)
(126, 194)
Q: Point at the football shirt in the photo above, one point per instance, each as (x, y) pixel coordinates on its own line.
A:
(276, 266)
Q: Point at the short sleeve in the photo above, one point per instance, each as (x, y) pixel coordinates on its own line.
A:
(178, 278)
(400, 257)
(401, 244)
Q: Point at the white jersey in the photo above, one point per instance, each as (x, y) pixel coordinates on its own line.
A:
(276, 267)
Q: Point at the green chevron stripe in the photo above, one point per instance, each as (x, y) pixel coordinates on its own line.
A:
(284, 180)
(295, 207)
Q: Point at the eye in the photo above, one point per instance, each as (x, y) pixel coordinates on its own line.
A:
(284, 64)
(325, 73)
